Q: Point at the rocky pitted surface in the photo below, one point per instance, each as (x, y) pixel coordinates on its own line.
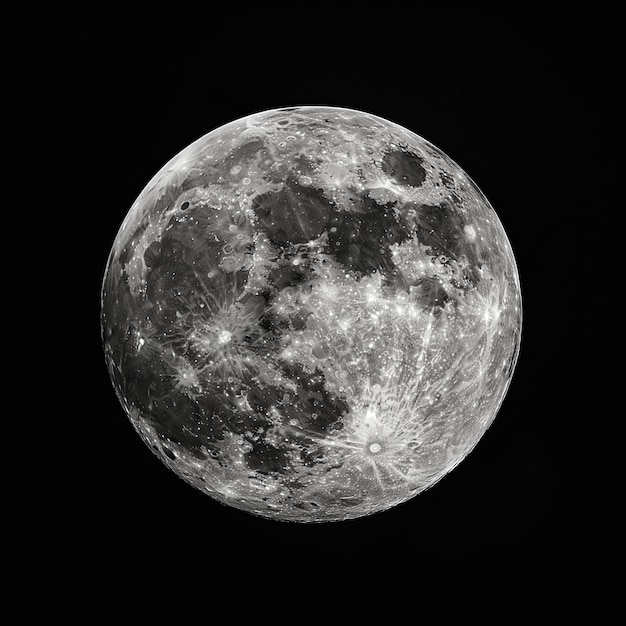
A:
(311, 314)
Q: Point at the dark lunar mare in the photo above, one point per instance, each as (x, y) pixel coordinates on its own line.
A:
(360, 240)
(295, 214)
(404, 167)
(178, 266)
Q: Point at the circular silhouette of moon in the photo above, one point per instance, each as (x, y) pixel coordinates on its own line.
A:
(311, 314)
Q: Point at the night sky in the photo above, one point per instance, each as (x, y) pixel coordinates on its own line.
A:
(526, 101)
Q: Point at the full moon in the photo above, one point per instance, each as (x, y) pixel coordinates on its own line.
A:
(311, 314)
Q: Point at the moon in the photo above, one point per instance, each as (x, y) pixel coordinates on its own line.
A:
(311, 314)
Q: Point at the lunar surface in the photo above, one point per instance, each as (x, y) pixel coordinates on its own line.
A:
(311, 314)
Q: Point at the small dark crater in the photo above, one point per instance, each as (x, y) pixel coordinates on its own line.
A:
(348, 502)
(404, 167)
(184, 206)
(307, 506)
(168, 453)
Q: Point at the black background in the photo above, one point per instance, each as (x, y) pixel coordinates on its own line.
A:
(526, 100)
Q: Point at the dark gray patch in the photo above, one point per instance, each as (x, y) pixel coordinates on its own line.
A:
(295, 214)
(430, 293)
(403, 167)
(440, 228)
(193, 426)
(286, 274)
(244, 153)
(266, 458)
(361, 240)
(313, 405)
